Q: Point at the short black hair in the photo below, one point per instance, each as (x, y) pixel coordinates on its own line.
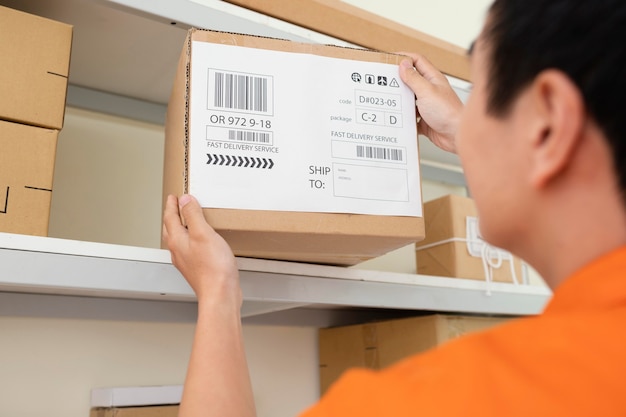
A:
(581, 38)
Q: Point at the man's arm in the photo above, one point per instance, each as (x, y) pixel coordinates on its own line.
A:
(217, 382)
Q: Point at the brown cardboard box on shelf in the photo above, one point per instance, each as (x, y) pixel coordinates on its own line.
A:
(26, 173)
(311, 236)
(143, 411)
(381, 344)
(35, 65)
(445, 251)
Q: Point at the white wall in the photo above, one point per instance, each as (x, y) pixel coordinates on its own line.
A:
(48, 366)
(107, 180)
(455, 21)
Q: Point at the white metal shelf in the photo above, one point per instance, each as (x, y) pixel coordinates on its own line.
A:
(67, 268)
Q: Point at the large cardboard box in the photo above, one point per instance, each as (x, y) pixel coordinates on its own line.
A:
(316, 236)
(453, 247)
(144, 411)
(380, 344)
(26, 173)
(35, 65)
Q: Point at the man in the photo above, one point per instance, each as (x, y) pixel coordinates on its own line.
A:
(543, 147)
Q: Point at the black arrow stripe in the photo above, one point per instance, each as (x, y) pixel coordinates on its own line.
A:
(239, 161)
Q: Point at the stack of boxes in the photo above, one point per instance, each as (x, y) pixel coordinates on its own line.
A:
(33, 86)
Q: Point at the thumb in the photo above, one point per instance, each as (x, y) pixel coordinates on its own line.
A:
(411, 77)
(191, 212)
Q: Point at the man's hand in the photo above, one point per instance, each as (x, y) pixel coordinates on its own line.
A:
(437, 104)
(198, 252)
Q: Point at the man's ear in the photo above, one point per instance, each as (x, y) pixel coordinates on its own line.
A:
(559, 106)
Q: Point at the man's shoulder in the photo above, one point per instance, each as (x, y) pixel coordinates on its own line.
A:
(537, 355)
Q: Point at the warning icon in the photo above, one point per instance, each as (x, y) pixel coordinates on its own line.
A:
(394, 83)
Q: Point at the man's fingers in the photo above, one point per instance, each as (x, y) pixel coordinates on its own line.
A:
(424, 68)
(411, 77)
(192, 212)
(171, 216)
(428, 70)
(164, 235)
(174, 233)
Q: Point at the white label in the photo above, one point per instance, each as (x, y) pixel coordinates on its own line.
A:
(287, 131)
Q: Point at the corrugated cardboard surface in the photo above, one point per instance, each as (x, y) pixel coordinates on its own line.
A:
(148, 411)
(327, 238)
(445, 218)
(35, 66)
(381, 344)
(26, 174)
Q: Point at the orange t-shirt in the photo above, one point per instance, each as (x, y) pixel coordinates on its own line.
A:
(569, 361)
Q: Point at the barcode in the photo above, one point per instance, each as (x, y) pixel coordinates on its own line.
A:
(249, 136)
(241, 92)
(373, 152)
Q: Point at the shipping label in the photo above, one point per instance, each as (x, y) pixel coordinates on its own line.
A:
(272, 130)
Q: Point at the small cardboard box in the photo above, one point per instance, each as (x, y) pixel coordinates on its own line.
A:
(35, 67)
(314, 236)
(26, 174)
(144, 411)
(452, 247)
(380, 344)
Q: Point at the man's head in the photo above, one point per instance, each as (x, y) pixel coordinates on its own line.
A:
(542, 129)
(581, 38)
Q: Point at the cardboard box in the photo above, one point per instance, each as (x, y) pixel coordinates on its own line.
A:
(26, 174)
(452, 247)
(147, 411)
(35, 67)
(380, 344)
(307, 236)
